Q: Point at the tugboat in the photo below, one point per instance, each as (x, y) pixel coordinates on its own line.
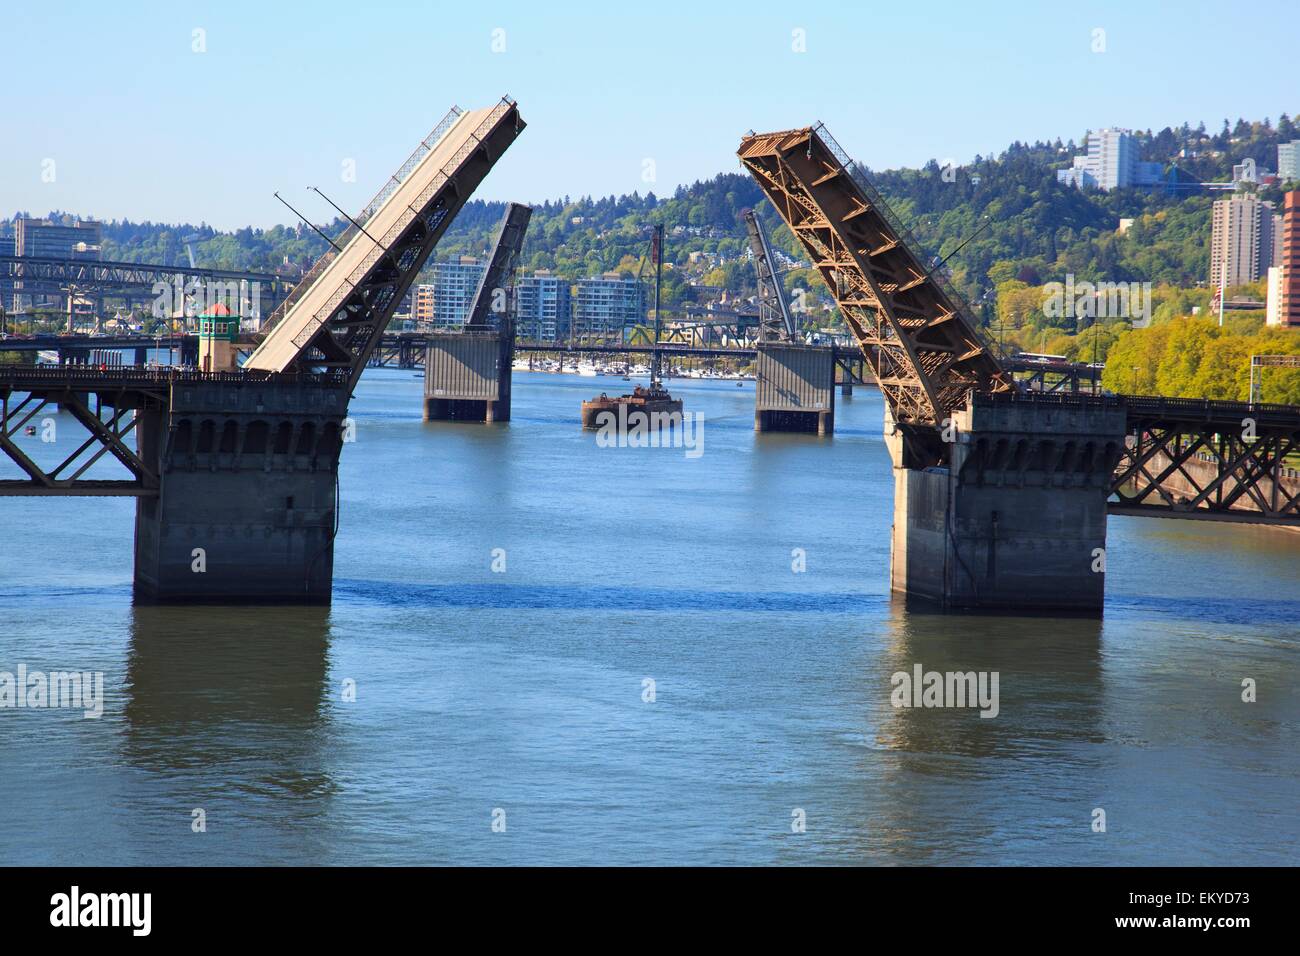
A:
(652, 399)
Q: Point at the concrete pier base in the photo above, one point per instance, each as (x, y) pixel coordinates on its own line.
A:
(467, 377)
(1017, 520)
(795, 389)
(247, 505)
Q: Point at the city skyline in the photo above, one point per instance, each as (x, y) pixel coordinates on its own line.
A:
(227, 109)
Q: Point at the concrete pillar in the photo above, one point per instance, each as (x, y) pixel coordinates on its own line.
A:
(794, 388)
(1017, 519)
(248, 482)
(467, 377)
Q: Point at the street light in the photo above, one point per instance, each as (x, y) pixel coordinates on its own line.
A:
(1136, 369)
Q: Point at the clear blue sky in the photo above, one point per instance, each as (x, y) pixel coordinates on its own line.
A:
(140, 126)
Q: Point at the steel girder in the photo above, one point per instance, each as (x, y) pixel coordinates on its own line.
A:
(1180, 469)
(105, 436)
(925, 351)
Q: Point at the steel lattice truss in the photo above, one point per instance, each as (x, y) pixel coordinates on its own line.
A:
(774, 321)
(924, 350)
(108, 425)
(1216, 460)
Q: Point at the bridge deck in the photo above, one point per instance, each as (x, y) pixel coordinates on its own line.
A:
(382, 241)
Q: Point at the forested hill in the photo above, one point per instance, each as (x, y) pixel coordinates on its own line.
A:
(1036, 229)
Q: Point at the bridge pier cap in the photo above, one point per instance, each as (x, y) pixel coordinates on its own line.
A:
(1015, 520)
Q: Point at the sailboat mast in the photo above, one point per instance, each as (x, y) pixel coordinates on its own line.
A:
(659, 272)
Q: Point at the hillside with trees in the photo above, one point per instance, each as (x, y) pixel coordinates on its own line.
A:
(1008, 226)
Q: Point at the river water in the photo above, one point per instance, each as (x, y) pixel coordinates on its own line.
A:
(521, 697)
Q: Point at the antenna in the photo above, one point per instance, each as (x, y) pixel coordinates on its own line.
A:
(310, 223)
(347, 217)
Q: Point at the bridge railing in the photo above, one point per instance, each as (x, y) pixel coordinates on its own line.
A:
(1214, 411)
(19, 377)
(905, 236)
(1073, 399)
(367, 211)
(319, 319)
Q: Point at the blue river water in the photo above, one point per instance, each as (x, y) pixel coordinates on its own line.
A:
(647, 680)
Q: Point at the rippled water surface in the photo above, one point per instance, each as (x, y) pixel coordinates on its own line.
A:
(523, 690)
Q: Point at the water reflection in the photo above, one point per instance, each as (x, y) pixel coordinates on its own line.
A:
(953, 785)
(236, 694)
(1049, 681)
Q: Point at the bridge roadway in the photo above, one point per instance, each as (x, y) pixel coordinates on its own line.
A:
(1248, 442)
(54, 342)
(415, 343)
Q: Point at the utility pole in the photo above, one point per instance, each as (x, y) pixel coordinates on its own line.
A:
(1223, 288)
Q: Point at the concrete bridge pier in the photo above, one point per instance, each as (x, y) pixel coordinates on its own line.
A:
(467, 377)
(795, 389)
(1016, 521)
(246, 509)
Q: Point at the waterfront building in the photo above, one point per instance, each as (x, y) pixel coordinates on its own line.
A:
(607, 304)
(543, 306)
(454, 283)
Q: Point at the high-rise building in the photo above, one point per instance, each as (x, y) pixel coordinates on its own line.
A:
(607, 304)
(54, 240)
(46, 238)
(1242, 241)
(1288, 161)
(454, 284)
(1110, 163)
(1114, 154)
(1289, 301)
(543, 305)
(422, 304)
(1273, 287)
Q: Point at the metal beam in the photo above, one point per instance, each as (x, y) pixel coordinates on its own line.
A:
(775, 323)
(911, 324)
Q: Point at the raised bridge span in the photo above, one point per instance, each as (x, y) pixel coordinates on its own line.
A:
(240, 466)
(1000, 492)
